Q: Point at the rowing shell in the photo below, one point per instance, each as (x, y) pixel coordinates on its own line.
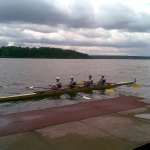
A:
(60, 92)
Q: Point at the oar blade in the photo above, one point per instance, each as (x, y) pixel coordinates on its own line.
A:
(31, 87)
(136, 85)
(80, 82)
(83, 96)
(109, 90)
(86, 97)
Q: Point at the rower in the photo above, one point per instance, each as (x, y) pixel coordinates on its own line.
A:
(89, 81)
(56, 85)
(102, 81)
(72, 83)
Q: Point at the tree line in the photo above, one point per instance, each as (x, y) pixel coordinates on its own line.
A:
(42, 52)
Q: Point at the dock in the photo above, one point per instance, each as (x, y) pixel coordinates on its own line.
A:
(108, 124)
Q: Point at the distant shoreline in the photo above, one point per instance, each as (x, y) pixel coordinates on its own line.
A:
(118, 57)
(90, 57)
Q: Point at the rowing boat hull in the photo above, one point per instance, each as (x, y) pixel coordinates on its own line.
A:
(60, 92)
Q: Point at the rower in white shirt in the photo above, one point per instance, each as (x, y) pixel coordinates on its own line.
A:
(72, 83)
(57, 84)
(89, 81)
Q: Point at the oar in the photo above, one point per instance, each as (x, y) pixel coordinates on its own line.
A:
(109, 90)
(112, 90)
(83, 96)
(80, 81)
(32, 87)
(135, 85)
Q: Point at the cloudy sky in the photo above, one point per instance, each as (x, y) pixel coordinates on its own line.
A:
(95, 27)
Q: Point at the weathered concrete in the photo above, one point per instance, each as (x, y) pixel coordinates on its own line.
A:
(116, 130)
(32, 120)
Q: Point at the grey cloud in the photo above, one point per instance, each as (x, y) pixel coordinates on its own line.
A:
(141, 23)
(113, 16)
(30, 12)
(81, 15)
(94, 33)
(43, 13)
(127, 47)
(78, 21)
(11, 33)
(136, 51)
(40, 28)
(3, 42)
(69, 42)
(16, 36)
(129, 44)
(119, 16)
(8, 35)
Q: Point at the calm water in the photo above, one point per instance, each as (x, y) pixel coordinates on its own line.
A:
(18, 74)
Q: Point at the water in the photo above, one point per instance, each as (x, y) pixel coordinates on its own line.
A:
(18, 74)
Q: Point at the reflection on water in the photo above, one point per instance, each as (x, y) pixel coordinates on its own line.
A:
(17, 74)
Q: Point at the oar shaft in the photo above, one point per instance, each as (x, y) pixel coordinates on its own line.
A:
(36, 87)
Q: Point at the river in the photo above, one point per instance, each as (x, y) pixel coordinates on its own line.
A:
(16, 75)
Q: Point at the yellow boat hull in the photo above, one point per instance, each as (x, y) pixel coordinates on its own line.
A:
(60, 92)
